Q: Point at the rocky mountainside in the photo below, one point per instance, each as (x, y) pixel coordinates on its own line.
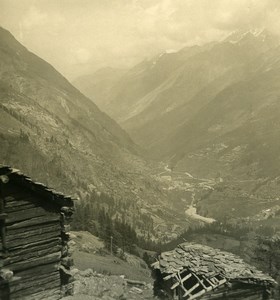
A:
(97, 86)
(238, 125)
(53, 133)
(155, 97)
(180, 104)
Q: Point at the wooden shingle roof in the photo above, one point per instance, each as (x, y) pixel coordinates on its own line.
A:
(209, 267)
(47, 193)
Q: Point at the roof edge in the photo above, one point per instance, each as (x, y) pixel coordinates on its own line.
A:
(37, 187)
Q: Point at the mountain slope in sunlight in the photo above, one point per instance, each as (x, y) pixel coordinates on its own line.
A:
(52, 132)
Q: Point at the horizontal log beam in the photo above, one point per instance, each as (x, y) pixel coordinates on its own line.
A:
(32, 254)
(34, 248)
(45, 242)
(43, 269)
(20, 230)
(31, 231)
(35, 221)
(18, 207)
(26, 214)
(34, 262)
(25, 283)
(37, 289)
(16, 196)
(32, 239)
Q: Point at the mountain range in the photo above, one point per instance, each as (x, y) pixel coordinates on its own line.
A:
(211, 111)
(177, 103)
(56, 135)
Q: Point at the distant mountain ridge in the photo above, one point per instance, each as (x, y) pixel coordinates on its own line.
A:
(98, 85)
(158, 96)
(211, 111)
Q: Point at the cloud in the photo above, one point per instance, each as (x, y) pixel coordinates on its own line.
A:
(34, 17)
(81, 55)
(77, 36)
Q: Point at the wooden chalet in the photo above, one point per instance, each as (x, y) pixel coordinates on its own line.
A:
(34, 257)
(193, 271)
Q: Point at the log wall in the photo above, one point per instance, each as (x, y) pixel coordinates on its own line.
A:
(36, 246)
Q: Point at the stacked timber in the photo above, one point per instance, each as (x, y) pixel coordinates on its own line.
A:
(34, 240)
(199, 272)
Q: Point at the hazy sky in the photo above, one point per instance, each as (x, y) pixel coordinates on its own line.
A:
(79, 36)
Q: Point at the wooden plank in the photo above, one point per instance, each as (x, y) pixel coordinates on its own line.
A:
(31, 231)
(9, 198)
(209, 288)
(32, 254)
(223, 281)
(26, 214)
(26, 283)
(181, 281)
(169, 276)
(32, 239)
(214, 280)
(36, 248)
(16, 196)
(32, 201)
(186, 278)
(35, 221)
(15, 208)
(43, 269)
(13, 231)
(37, 289)
(24, 201)
(175, 285)
(197, 295)
(34, 262)
(188, 292)
(37, 243)
(210, 282)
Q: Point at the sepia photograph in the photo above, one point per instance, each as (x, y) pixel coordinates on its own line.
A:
(140, 149)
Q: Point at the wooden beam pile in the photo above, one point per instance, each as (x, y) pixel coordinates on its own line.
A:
(195, 270)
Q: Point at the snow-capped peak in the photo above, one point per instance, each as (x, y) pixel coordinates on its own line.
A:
(169, 51)
(236, 36)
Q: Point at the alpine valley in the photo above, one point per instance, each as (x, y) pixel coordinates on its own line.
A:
(210, 113)
(181, 147)
(47, 124)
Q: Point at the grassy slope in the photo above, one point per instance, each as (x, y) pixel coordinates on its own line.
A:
(89, 252)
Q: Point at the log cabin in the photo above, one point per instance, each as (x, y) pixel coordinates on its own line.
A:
(193, 271)
(35, 261)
